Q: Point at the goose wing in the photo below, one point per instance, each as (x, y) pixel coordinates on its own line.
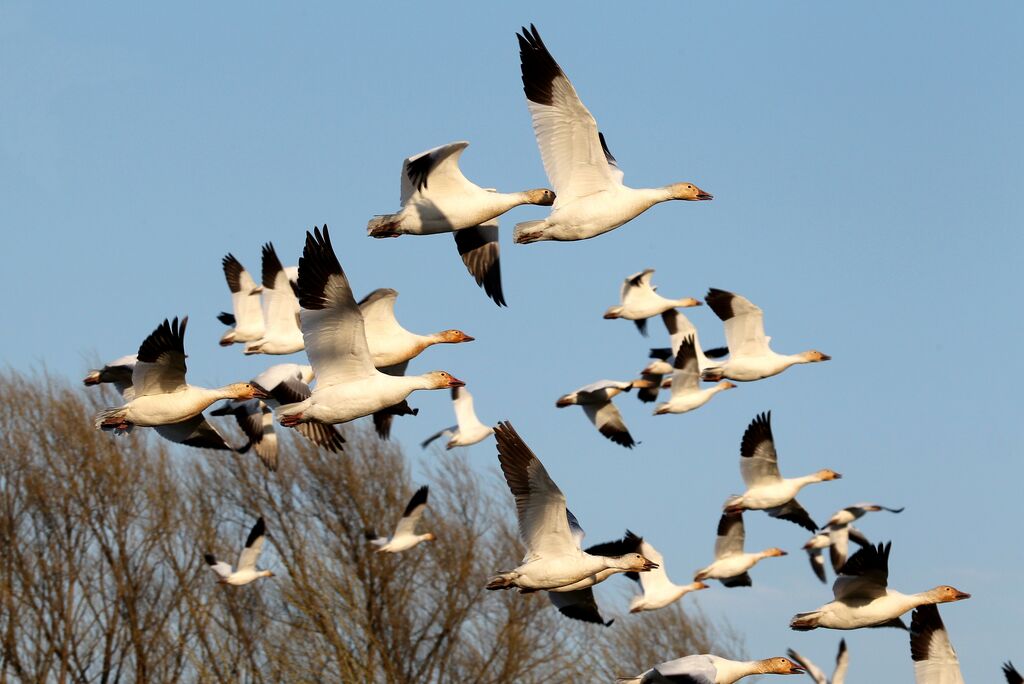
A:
(608, 421)
(481, 253)
(731, 534)
(794, 513)
(378, 310)
(540, 504)
(245, 301)
(865, 575)
(194, 432)
(935, 660)
(413, 512)
(160, 368)
(695, 669)
(434, 172)
(253, 546)
(279, 301)
(812, 670)
(220, 567)
(636, 284)
(759, 462)
(567, 135)
(462, 402)
(616, 172)
(685, 373)
(332, 325)
(744, 322)
(842, 664)
(1011, 674)
(578, 604)
(652, 581)
(817, 559)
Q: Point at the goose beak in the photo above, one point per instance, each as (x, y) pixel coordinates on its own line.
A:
(258, 392)
(796, 669)
(960, 595)
(455, 382)
(650, 565)
(467, 338)
(705, 195)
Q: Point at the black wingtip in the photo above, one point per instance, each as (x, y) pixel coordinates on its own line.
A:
(210, 560)
(271, 265)
(759, 430)
(419, 498)
(258, 530)
(316, 265)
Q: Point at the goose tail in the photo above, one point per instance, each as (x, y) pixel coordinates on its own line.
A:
(387, 225)
(528, 231)
(803, 622)
(113, 419)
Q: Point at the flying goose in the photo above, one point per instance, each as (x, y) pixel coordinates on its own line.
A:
(245, 571)
(863, 599)
(935, 661)
(348, 385)
(161, 397)
(687, 393)
(750, 357)
(389, 343)
(855, 512)
(639, 301)
(590, 198)
(657, 589)
(679, 327)
(836, 540)
(468, 428)
(247, 316)
(596, 400)
(118, 373)
(404, 536)
(553, 555)
(437, 198)
(816, 673)
(766, 489)
(731, 562)
(711, 669)
(280, 310)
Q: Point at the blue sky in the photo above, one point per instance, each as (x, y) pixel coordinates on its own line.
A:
(866, 165)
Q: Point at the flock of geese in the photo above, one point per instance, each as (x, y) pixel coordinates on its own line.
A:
(359, 355)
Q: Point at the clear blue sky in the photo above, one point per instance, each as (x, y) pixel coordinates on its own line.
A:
(866, 164)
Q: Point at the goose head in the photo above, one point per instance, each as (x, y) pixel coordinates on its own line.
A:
(247, 390)
(267, 573)
(442, 380)
(688, 302)
(632, 562)
(453, 337)
(813, 356)
(698, 585)
(429, 536)
(774, 552)
(947, 594)
(541, 197)
(725, 384)
(779, 665)
(689, 192)
(826, 475)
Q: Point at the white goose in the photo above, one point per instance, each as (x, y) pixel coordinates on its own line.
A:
(404, 536)
(857, 511)
(731, 562)
(194, 432)
(468, 428)
(596, 400)
(348, 384)
(553, 555)
(658, 590)
(766, 489)
(590, 197)
(863, 599)
(437, 198)
(687, 393)
(750, 357)
(935, 661)
(246, 571)
(161, 396)
(389, 343)
(246, 316)
(817, 674)
(711, 669)
(639, 301)
(280, 310)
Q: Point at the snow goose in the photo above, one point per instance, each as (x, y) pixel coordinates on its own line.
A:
(404, 536)
(731, 562)
(1011, 674)
(246, 318)
(389, 343)
(348, 384)
(766, 489)
(711, 669)
(935, 661)
(280, 310)
(161, 397)
(468, 428)
(863, 599)
(658, 590)
(817, 674)
(750, 357)
(837, 541)
(553, 555)
(194, 432)
(579, 604)
(855, 512)
(687, 394)
(639, 301)
(437, 198)
(245, 571)
(590, 198)
(596, 400)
